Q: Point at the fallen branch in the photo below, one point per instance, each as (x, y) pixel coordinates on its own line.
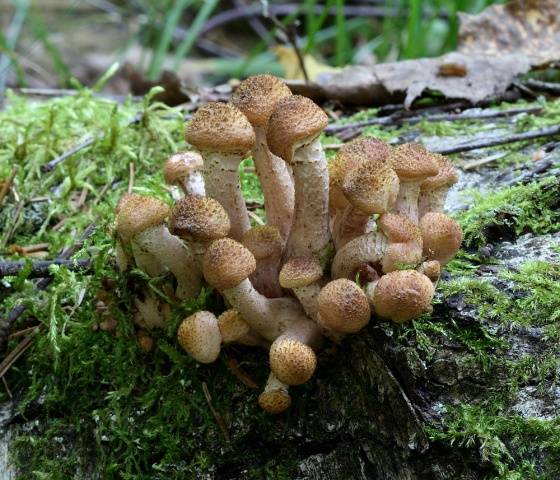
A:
(16, 312)
(541, 86)
(217, 416)
(40, 268)
(17, 352)
(491, 142)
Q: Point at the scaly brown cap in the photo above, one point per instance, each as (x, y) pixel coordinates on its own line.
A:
(275, 398)
(199, 218)
(295, 120)
(442, 236)
(136, 213)
(300, 272)
(343, 306)
(227, 263)
(220, 127)
(399, 229)
(263, 241)
(373, 187)
(180, 165)
(403, 295)
(412, 162)
(232, 326)
(200, 336)
(432, 269)
(401, 256)
(292, 361)
(446, 176)
(257, 96)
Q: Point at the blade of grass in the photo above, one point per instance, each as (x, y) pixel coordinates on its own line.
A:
(185, 46)
(171, 21)
(315, 24)
(342, 40)
(414, 45)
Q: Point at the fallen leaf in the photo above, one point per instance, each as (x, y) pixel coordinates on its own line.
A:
(288, 59)
(521, 27)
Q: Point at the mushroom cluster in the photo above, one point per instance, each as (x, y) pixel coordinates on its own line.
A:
(364, 234)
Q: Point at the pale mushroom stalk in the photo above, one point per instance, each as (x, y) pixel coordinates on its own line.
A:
(184, 170)
(407, 200)
(145, 261)
(173, 254)
(221, 177)
(349, 224)
(276, 184)
(310, 228)
(365, 249)
(433, 190)
(308, 297)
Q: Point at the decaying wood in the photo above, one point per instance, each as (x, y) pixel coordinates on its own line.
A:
(40, 268)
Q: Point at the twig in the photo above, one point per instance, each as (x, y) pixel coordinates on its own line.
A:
(21, 333)
(541, 86)
(40, 268)
(8, 391)
(17, 352)
(440, 117)
(483, 161)
(516, 137)
(7, 184)
(15, 218)
(217, 416)
(16, 312)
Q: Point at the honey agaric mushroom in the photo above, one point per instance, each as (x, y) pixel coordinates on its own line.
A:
(413, 164)
(227, 265)
(398, 242)
(236, 330)
(199, 221)
(433, 190)
(200, 337)
(224, 136)
(301, 275)
(140, 221)
(403, 295)
(370, 188)
(349, 157)
(256, 97)
(184, 170)
(275, 398)
(432, 269)
(442, 237)
(265, 243)
(293, 134)
(343, 306)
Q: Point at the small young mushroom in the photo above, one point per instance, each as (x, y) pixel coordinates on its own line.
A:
(199, 221)
(145, 341)
(275, 398)
(184, 170)
(224, 137)
(256, 97)
(433, 190)
(397, 243)
(413, 164)
(301, 275)
(236, 330)
(293, 134)
(200, 337)
(442, 237)
(432, 270)
(370, 188)
(402, 296)
(343, 306)
(265, 243)
(140, 221)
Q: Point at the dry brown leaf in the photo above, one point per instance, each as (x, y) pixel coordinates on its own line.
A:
(521, 27)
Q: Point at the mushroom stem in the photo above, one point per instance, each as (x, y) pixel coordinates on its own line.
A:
(309, 235)
(365, 249)
(432, 200)
(172, 253)
(221, 176)
(308, 297)
(146, 262)
(407, 200)
(275, 397)
(194, 184)
(276, 183)
(349, 224)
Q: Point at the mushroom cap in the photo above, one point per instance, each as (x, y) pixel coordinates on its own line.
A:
(220, 127)
(199, 218)
(442, 236)
(432, 269)
(200, 336)
(412, 162)
(446, 176)
(227, 263)
(300, 272)
(275, 401)
(401, 256)
(399, 229)
(295, 121)
(263, 241)
(232, 326)
(293, 362)
(257, 96)
(343, 306)
(372, 187)
(180, 165)
(136, 213)
(403, 295)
